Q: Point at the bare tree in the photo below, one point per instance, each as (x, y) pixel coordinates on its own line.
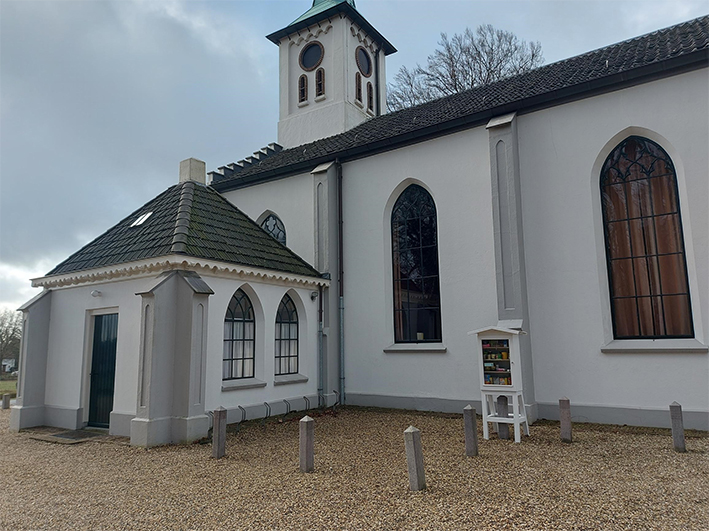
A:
(10, 334)
(462, 62)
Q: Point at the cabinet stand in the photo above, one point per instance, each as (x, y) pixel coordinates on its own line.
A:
(518, 416)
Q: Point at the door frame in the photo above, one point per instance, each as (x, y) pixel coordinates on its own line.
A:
(88, 357)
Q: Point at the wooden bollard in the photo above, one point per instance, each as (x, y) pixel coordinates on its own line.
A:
(677, 427)
(471, 431)
(6, 401)
(307, 444)
(219, 433)
(503, 429)
(414, 458)
(565, 419)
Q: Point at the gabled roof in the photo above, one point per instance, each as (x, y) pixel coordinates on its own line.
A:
(325, 9)
(192, 220)
(658, 54)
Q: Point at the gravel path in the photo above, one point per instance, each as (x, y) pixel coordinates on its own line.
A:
(609, 478)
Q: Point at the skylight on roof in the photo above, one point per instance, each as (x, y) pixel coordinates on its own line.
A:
(141, 219)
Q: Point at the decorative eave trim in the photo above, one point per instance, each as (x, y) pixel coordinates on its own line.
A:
(145, 268)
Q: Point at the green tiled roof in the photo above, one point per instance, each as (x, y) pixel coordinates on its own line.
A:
(319, 6)
(193, 220)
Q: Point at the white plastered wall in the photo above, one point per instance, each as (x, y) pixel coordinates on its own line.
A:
(265, 299)
(455, 171)
(561, 151)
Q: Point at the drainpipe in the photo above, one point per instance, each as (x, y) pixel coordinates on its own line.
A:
(321, 368)
(376, 80)
(341, 275)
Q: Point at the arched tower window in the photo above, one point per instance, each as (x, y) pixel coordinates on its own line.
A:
(274, 226)
(358, 86)
(302, 88)
(239, 338)
(417, 302)
(370, 97)
(647, 269)
(319, 82)
(286, 337)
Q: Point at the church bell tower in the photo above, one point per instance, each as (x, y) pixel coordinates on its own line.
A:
(332, 72)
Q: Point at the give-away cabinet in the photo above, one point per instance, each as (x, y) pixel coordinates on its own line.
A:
(498, 354)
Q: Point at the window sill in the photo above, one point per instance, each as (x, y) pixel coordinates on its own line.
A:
(320, 98)
(286, 379)
(359, 104)
(303, 104)
(416, 348)
(246, 383)
(654, 346)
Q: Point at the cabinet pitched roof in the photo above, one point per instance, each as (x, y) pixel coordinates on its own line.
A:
(661, 53)
(192, 220)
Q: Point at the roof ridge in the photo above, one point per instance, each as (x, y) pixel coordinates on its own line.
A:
(182, 223)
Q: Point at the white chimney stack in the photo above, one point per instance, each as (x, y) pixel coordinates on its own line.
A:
(193, 170)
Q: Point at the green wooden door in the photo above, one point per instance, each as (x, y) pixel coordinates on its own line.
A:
(103, 369)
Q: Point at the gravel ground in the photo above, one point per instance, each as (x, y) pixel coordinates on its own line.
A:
(609, 478)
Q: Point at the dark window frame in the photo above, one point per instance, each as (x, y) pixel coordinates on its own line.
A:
(415, 267)
(319, 82)
(358, 87)
(619, 172)
(278, 231)
(302, 88)
(305, 49)
(359, 63)
(370, 97)
(287, 321)
(230, 351)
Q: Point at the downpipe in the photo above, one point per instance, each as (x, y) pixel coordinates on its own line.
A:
(341, 275)
(321, 357)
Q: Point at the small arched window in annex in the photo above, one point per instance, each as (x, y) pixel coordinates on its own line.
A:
(417, 301)
(239, 338)
(647, 268)
(286, 337)
(302, 88)
(319, 82)
(358, 86)
(370, 97)
(274, 226)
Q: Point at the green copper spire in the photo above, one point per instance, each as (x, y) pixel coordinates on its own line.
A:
(321, 5)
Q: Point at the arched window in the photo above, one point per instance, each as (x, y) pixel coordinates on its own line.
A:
(274, 226)
(286, 337)
(358, 86)
(302, 88)
(319, 82)
(370, 97)
(239, 342)
(647, 270)
(414, 241)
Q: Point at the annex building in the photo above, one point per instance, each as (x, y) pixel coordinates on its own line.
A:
(349, 260)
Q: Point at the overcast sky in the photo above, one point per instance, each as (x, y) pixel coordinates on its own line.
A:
(100, 100)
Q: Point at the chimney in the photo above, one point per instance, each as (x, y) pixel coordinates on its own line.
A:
(193, 170)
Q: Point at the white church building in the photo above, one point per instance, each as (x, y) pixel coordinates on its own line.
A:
(349, 261)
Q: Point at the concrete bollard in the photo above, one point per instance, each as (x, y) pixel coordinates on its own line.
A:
(6, 401)
(414, 458)
(307, 444)
(219, 433)
(471, 431)
(677, 427)
(565, 419)
(503, 430)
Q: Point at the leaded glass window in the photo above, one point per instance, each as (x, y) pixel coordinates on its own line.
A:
(286, 337)
(647, 269)
(417, 301)
(274, 226)
(239, 338)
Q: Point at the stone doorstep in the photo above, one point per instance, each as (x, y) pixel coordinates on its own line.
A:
(78, 436)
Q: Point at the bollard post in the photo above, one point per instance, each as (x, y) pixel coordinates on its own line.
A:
(307, 444)
(677, 427)
(414, 458)
(565, 419)
(471, 431)
(503, 429)
(219, 433)
(6, 401)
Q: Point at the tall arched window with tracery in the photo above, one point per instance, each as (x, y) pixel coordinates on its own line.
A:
(286, 337)
(274, 226)
(417, 301)
(647, 268)
(239, 338)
